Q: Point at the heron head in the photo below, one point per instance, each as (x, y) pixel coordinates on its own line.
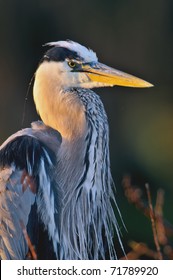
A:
(77, 66)
(66, 66)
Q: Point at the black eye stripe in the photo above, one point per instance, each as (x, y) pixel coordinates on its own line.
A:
(60, 54)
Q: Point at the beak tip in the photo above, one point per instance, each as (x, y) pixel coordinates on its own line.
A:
(137, 82)
(148, 85)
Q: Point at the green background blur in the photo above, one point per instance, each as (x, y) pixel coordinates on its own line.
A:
(133, 36)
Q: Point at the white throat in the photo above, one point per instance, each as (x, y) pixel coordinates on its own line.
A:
(57, 108)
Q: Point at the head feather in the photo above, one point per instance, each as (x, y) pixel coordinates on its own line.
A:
(87, 54)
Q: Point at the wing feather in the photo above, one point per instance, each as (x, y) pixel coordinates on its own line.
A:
(15, 206)
(26, 179)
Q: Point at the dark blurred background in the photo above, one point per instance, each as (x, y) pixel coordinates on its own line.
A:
(133, 36)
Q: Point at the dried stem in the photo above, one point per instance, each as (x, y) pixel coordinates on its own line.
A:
(139, 249)
(134, 194)
(161, 228)
(163, 240)
(153, 223)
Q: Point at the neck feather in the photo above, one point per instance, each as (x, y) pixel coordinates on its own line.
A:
(61, 110)
(88, 220)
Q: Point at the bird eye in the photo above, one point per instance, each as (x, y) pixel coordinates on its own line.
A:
(72, 64)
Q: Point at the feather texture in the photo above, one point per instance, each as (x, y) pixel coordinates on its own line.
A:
(55, 178)
(88, 219)
(26, 169)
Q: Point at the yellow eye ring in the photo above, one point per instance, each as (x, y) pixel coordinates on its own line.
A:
(72, 64)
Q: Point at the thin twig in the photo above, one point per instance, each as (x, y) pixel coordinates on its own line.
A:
(152, 218)
(134, 196)
(140, 249)
(158, 210)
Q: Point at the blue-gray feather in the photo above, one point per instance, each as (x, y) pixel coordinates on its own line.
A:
(25, 152)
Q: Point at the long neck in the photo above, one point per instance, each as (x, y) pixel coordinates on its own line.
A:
(86, 158)
(87, 210)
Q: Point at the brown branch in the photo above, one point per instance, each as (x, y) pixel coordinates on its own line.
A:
(161, 232)
(134, 194)
(153, 223)
(161, 228)
(138, 250)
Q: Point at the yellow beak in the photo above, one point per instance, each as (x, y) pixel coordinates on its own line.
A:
(109, 76)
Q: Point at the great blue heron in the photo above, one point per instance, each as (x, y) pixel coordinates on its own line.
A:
(55, 179)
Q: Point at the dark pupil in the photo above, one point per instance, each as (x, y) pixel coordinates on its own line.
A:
(72, 64)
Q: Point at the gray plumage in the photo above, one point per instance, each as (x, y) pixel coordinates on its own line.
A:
(55, 179)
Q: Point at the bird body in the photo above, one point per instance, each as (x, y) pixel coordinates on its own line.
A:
(56, 186)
